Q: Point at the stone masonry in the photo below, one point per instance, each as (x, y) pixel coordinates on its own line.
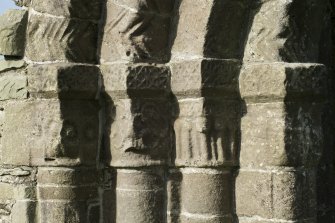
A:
(167, 111)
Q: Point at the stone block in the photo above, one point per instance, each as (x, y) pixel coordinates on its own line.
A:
(257, 219)
(263, 138)
(281, 134)
(71, 194)
(61, 39)
(79, 193)
(125, 80)
(64, 81)
(81, 9)
(137, 31)
(13, 86)
(174, 182)
(285, 31)
(206, 78)
(187, 218)
(283, 81)
(13, 24)
(280, 194)
(206, 192)
(140, 196)
(5, 211)
(22, 3)
(13, 192)
(218, 29)
(146, 136)
(147, 6)
(199, 195)
(7, 191)
(6, 65)
(141, 179)
(79, 176)
(52, 132)
(254, 220)
(24, 211)
(108, 206)
(60, 211)
(207, 132)
(254, 194)
(18, 175)
(294, 195)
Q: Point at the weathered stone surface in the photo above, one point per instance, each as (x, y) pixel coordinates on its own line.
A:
(67, 194)
(146, 134)
(126, 80)
(213, 29)
(57, 39)
(205, 78)
(285, 31)
(286, 195)
(257, 219)
(60, 211)
(206, 191)
(81, 9)
(207, 132)
(13, 86)
(107, 195)
(147, 6)
(52, 133)
(140, 196)
(18, 175)
(13, 25)
(256, 189)
(294, 195)
(281, 134)
(67, 176)
(200, 195)
(6, 65)
(25, 3)
(231, 129)
(60, 187)
(64, 81)
(283, 81)
(205, 219)
(174, 180)
(24, 211)
(254, 220)
(18, 193)
(137, 30)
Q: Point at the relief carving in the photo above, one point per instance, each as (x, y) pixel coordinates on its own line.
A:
(146, 135)
(137, 31)
(209, 138)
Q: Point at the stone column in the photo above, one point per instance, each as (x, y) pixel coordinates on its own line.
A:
(138, 136)
(54, 127)
(205, 66)
(284, 89)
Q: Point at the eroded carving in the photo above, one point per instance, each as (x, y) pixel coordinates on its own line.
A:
(137, 30)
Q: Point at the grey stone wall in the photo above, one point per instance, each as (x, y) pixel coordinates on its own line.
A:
(157, 111)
